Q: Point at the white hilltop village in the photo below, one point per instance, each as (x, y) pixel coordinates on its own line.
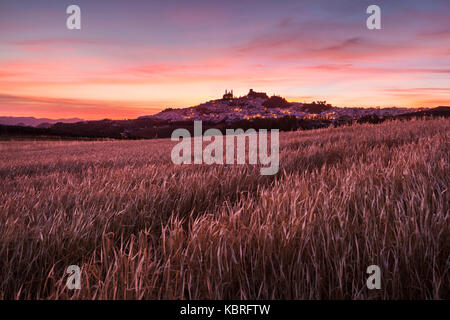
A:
(257, 105)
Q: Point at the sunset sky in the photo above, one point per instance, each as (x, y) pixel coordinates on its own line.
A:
(134, 58)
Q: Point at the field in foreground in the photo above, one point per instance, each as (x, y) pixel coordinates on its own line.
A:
(140, 227)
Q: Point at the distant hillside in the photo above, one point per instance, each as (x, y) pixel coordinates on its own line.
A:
(442, 111)
(34, 122)
(255, 110)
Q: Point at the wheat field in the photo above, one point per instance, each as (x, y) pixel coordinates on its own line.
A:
(141, 227)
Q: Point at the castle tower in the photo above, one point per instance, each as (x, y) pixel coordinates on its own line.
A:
(228, 95)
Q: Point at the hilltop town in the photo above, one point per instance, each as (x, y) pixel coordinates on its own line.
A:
(256, 110)
(258, 105)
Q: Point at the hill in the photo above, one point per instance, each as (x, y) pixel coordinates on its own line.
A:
(255, 110)
(442, 111)
(33, 122)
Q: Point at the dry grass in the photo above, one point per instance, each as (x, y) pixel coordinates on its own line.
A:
(141, 227)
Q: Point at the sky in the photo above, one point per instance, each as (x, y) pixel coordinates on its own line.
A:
(134, 58)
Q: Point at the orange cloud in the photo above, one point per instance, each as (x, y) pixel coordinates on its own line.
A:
(61, 108)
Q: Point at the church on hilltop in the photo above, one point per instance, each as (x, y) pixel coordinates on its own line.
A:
(228, 95)
(251, 95)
